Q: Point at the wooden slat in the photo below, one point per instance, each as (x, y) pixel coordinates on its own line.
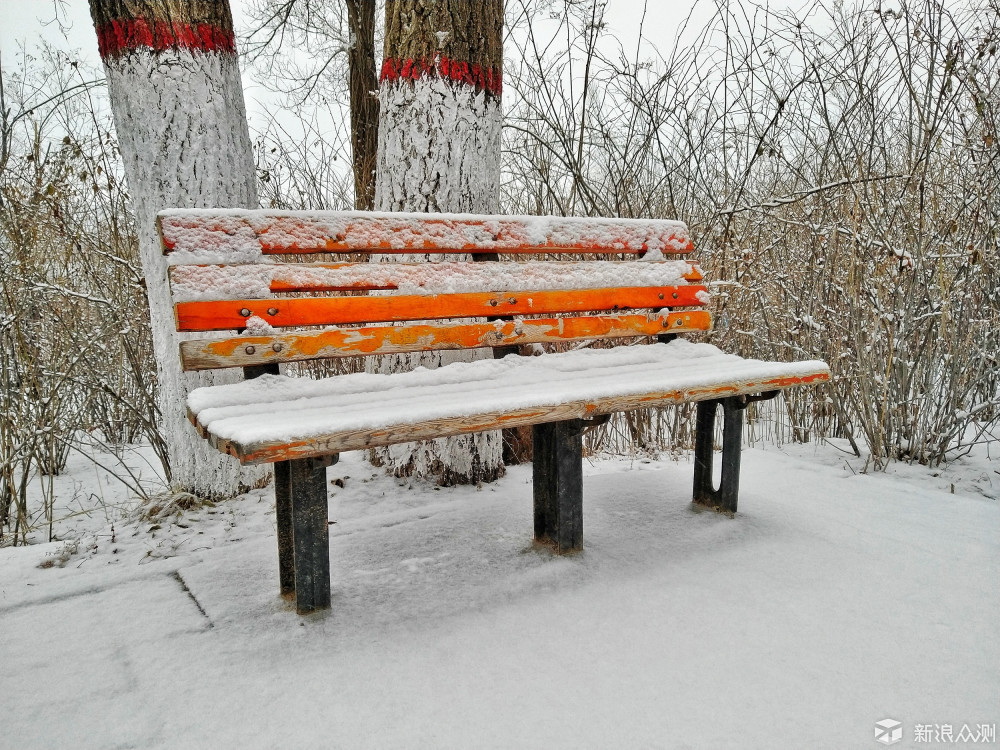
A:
(244, 351)
(350, 232)
(263, 452)
(218, 316)
(278, 278)
(526, 249)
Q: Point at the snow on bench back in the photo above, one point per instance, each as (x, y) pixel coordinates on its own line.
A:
(222, 280)
(243, 236)
(261, 280)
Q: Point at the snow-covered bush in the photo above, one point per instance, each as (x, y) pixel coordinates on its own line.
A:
(840, 172)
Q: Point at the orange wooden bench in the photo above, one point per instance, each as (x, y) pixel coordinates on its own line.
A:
(234, 283)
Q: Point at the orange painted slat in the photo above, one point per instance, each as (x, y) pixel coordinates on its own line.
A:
(242, 351)
(220, 316)
(280, 286)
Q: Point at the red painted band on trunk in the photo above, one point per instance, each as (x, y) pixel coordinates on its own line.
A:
(470, 74)
(121, 36)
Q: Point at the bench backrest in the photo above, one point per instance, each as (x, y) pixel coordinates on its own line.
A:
(230, 270)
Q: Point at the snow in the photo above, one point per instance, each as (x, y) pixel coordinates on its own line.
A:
(48, 555)
(254, 281)
(281, 408)
(241, 236)
(257, 326)
(833, 600)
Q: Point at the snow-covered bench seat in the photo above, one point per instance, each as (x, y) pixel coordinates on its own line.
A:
(239, 273)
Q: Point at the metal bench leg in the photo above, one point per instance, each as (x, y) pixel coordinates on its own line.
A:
(310, 534)
(557, 474)
(704, 458)
(732, 438)
(283, 510)
(282, 501)
(725, 498)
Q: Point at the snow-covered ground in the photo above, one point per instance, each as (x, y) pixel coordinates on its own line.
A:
(833, 600)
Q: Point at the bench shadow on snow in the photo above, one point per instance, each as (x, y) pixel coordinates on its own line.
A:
(461, 551)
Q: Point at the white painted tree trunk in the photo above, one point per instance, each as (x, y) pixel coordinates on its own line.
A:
(182, 128)
(438, 148)
(439, 151)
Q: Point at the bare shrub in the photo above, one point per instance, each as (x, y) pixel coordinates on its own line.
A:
(73, 316)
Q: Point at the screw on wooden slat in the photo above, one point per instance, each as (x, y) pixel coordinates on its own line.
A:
(493, 302)
(661, 295)
(679, 322)
(277, 346)
(676, 295)
(512, 300)
(272, 311)
(245, 313)
(250, 349)
(665, 322)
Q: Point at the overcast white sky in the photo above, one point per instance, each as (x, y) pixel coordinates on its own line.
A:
(27, 20)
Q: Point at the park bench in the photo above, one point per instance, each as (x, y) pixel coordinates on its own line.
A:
(237, 279)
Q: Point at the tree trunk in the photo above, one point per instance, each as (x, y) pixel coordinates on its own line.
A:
(178, 107)
(439, 150)
(364, 102)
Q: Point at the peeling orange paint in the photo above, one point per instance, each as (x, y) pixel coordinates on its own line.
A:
(348, 342)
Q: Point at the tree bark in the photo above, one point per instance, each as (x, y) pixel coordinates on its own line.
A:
(364, 101)
(439, 125)
(439, 151)
(177, 101)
